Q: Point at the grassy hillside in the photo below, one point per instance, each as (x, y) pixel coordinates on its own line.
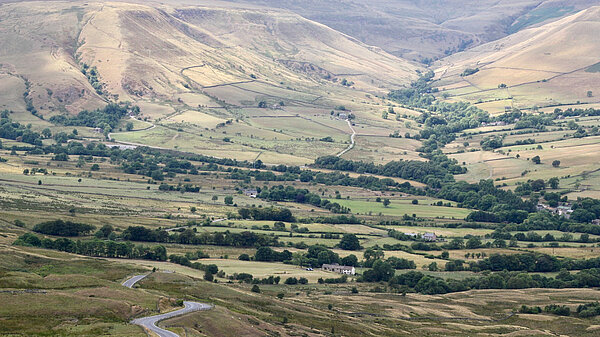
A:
(549, 65)
(148, 52)
(428, 29)
(192, 75)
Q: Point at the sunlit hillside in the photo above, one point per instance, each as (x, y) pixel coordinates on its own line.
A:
(554, 64)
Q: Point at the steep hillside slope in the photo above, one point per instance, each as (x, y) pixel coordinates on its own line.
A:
(133, 51)
(37, 48)
(417, 29)
(548, 65)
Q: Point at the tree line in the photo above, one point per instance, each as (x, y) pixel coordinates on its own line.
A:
(95, 247)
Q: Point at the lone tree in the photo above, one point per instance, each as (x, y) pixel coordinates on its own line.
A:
(556, 163)
(386, 202)
(228, 200)
(349, 242)
(553, 182)
(536, 160)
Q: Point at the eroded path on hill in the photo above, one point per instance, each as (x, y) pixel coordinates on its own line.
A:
(150, 322)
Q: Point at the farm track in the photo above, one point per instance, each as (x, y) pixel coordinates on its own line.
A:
(351, 140)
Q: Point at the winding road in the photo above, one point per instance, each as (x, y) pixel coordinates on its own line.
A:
(351, 139)
(149, 323)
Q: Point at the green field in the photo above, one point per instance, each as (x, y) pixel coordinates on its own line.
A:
(402, 207)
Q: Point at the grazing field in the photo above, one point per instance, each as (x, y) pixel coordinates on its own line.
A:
(399, 207)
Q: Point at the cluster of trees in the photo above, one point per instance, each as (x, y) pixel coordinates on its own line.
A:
(267, 213)
(107, 118)
(469, 71)
(419, 93)
(63, 228)
(100, 248)
(92, 75)
(415, 281)
(334, 220)
(293, 280)
(267, 254)
(188, 236)
(486, 197)
(491, 142)
(337, 280)
(583, 310)
(584, 211)
(440, 167)
(302, 196)
(539, 185)
(246, 175)
(249, 278)
(18, 131)
(179, 188)
(528, 262)
(555, 309)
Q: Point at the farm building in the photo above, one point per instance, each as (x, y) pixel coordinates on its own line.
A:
(336, 268)
(252, 193)
(429, 237)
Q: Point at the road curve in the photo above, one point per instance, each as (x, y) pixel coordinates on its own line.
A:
(150, 322)
(129, 283)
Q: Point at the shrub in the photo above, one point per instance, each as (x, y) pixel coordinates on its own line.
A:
(255, 289)
(291, 281)
(530, 310)
(561, 310)
(589, 310)
(244, 277)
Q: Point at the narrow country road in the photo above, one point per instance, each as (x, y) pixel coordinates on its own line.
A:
(129, 283)
(351, 139)
(149, 323)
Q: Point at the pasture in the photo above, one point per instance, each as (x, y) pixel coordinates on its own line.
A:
(400, 207)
